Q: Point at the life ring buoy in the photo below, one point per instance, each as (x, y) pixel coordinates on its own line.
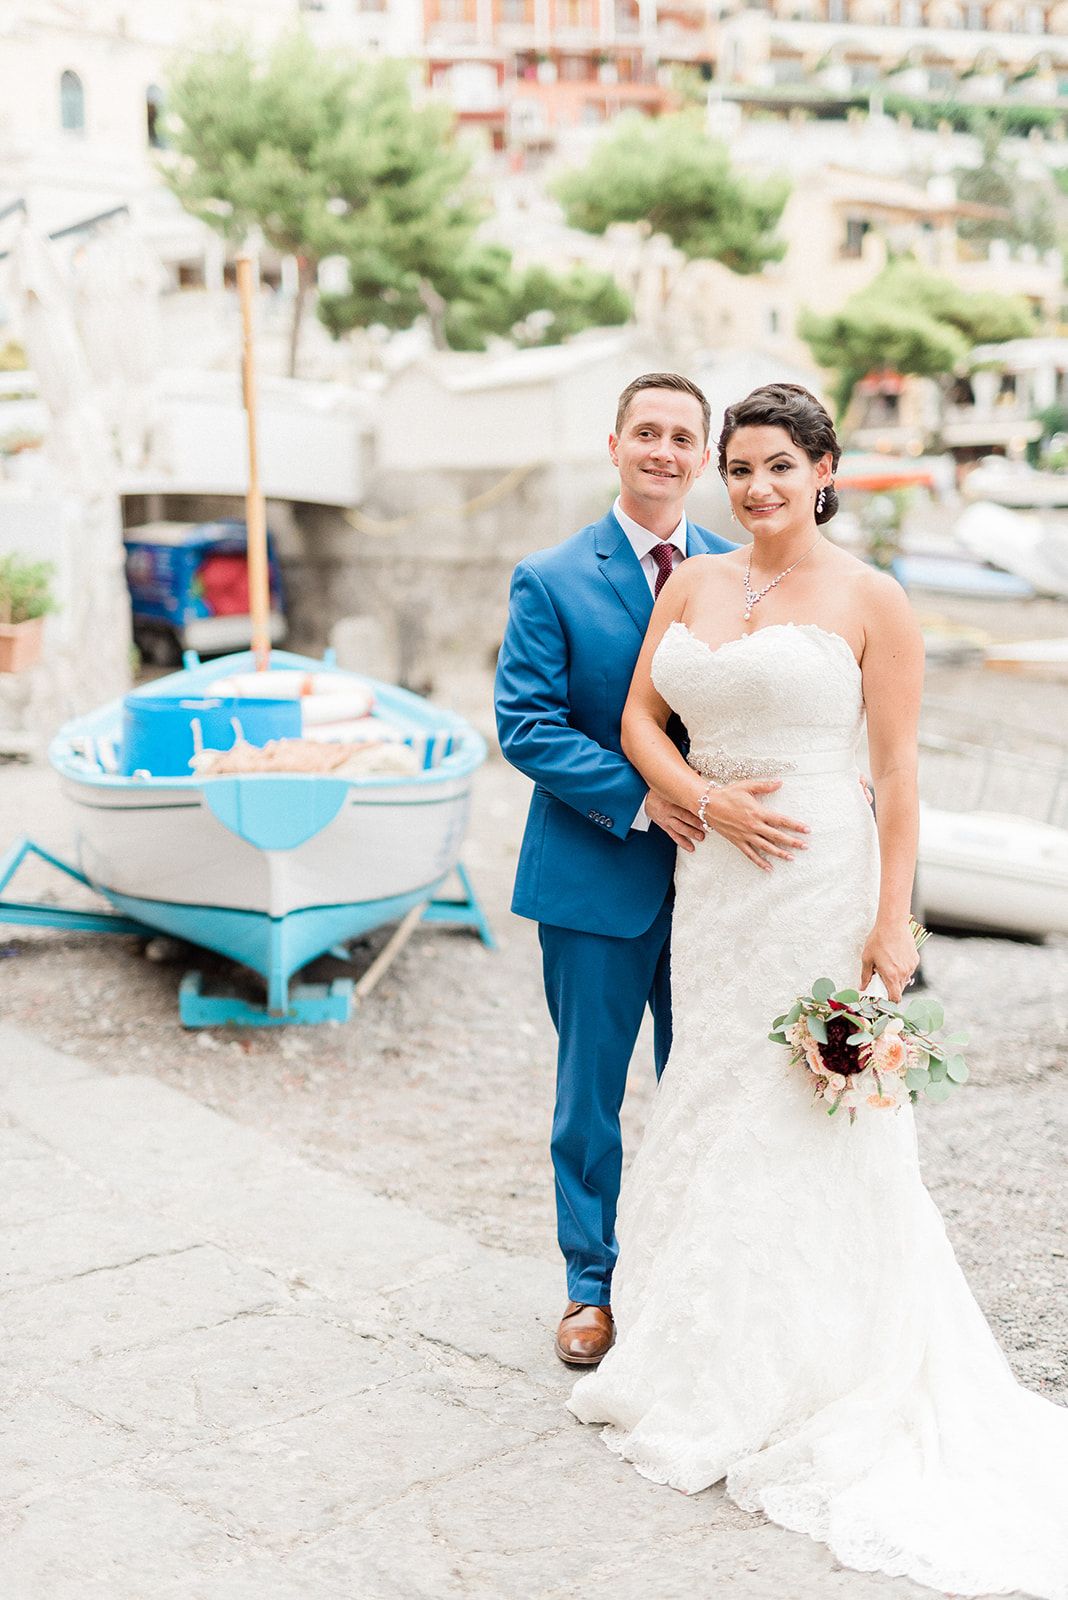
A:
(325, 697)
(357, 730)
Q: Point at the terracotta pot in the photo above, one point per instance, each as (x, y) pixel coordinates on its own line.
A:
(20, 644)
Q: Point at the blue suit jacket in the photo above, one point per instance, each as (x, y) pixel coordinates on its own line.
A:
(577, 617)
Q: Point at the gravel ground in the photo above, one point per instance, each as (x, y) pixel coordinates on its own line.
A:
(439, 1091)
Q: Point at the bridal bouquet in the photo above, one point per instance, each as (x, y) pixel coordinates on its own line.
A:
(862, 1049)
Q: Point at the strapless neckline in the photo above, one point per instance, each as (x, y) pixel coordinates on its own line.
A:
(769, 627)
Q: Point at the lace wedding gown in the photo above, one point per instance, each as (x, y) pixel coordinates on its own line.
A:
(790, 1313)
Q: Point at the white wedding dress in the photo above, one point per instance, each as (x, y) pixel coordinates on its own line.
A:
(790, 1314)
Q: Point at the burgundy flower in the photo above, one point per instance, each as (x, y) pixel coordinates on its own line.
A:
(838, 1056)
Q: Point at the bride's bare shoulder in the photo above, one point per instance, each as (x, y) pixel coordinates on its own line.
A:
(883, 608)
(707, 569)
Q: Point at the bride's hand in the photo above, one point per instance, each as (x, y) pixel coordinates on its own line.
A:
(736, 814)
(891, 952)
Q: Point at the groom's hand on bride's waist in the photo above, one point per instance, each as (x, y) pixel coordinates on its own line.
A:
(683, 826)
(736, 813)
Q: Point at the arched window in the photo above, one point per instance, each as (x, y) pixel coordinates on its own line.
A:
(154, 116)
(71, 103)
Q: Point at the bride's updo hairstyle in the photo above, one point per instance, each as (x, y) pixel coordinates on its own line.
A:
(787, 405)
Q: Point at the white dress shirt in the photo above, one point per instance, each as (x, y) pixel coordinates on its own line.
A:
(642, 542)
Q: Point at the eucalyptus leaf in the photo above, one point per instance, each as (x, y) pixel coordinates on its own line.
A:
(936, 1014)
(881, 1026)
(778, 1038)
(918, 1012)
(793, 1014)
(954, 1038)
(818, 1029)
(939, 1091)
(917, 1077)
(822, 989)
(859, 1038)
(957, 1069)
(847, 997)
(938, 1071)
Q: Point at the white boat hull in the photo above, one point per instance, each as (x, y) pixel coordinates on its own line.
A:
(169, 846)
(270, 868)
(1000, 873)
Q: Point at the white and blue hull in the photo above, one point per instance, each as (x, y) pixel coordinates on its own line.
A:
(169, 846)
(269, 869)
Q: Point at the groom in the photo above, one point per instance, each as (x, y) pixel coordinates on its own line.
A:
(595, 869)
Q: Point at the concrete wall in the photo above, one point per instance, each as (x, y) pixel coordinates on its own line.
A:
(436, 583)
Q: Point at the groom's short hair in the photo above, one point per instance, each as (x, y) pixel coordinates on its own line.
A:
(662, 380)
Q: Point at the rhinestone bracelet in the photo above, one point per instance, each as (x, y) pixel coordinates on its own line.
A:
(702, 803)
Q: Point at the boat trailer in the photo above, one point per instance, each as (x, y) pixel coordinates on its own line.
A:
(287, 1001)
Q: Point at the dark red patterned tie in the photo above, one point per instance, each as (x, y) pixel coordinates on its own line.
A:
(664, 556)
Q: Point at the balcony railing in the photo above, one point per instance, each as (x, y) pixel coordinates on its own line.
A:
(452, 33)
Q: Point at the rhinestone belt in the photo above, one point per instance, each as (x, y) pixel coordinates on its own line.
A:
(722, 767)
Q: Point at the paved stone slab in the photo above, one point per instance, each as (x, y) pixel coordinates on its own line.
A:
(26, 1061)
(110, 1539)
(257, 1578)
(500, 1393)
(82, 1238)
(46, 1441)
(253, 1380)
(759, 1563)
(156, 1146)
(161, 1149)
(114, 1308)
(18, 1145)
(37, 1189)
(285, 1484)
(342, 1240)
(550, 1522)
(503, 1307)
(246, 1374)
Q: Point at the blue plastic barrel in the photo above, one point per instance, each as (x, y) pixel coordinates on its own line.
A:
(157, 731)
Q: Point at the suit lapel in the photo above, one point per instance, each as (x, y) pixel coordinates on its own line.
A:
(695, 544)
(624, 572)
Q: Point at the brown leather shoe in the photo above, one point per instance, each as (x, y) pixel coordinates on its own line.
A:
(585, 1335)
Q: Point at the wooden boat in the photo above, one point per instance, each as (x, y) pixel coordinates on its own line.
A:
(988, 871)
(266, 806)
(1033, 658)
(951, 575)
(271, 868)
(1030, 547)
(1016, 484)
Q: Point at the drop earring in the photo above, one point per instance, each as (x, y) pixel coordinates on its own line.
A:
(819, 502)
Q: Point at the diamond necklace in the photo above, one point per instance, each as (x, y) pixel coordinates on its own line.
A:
(754, 596)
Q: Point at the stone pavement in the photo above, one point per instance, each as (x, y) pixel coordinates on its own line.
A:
(229, 1375)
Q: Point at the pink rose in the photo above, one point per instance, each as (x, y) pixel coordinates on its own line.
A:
(890, 1054)
(813, 1057)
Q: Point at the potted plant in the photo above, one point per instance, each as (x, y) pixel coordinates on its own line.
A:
(25, 601)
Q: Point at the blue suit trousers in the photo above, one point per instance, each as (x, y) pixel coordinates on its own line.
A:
(598, 988)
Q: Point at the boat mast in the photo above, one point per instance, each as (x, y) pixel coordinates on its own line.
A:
(259, 587)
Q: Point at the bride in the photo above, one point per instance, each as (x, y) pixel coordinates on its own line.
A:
(791, 1318)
